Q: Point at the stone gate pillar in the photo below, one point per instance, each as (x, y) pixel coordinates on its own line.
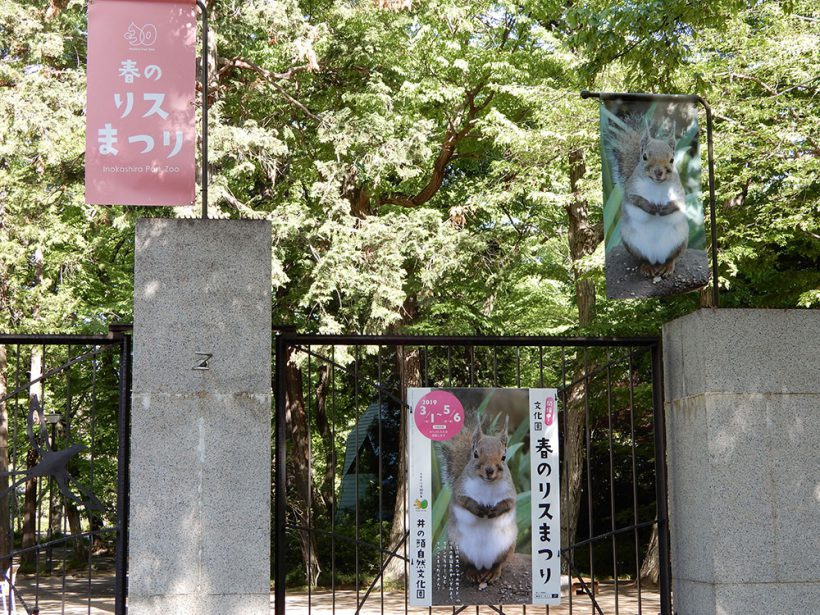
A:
(199, 526)
(743, 433)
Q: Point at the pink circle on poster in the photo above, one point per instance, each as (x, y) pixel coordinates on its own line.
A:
(439, 415)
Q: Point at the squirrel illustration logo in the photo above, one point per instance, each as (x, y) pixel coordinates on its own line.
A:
(654, 229)
(482, 522)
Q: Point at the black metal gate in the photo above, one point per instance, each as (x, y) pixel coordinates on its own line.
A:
(64, 417)
(339, 488)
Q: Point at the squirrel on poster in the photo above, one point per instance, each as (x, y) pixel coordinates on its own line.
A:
(654, 229)
(482, 518)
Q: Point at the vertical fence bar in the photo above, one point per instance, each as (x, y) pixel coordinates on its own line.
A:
(634, 481)
(356, 462)
(38, 482)
(611, 477)
(14, 464)
(405, 409)
(280, 355)
(563, 451)
(588, 441)
(309, 510)
(91, 472)
(123, 488)
(380, 380)
(333, 483)
(660, 480)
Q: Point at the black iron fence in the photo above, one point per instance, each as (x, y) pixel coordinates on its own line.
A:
(64, 402)
(340, 465)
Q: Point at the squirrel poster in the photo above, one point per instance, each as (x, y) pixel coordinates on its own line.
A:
(484, 518)
(653, 214)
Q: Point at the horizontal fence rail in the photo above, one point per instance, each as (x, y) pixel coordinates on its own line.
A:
(340, 533)
(64, 402)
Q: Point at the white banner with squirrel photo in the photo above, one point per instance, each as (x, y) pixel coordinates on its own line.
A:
(653, 214)
(484, 522)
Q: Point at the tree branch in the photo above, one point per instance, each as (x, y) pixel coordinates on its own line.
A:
(452, 137)
(774, 93)
(272, 79)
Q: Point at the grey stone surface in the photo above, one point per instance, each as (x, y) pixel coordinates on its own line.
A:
(743, 431)
(683, 357)
(750, 469)
(237, 604)
(742, 504)
(769, 598)
(187, 604)
(795, 476)
(690, 488)
(200, 481)
(199, 528)
(198, 604)
(202, 286)
(745, 351)
(692, 597)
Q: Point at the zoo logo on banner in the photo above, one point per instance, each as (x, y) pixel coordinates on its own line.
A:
(140, 132)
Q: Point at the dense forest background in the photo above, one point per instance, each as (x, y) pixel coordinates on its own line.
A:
(429, 165)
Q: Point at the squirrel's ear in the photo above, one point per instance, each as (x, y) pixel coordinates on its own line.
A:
(644, 138)
(477, 434)
(503, 435)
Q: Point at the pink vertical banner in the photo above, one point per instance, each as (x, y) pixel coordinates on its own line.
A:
(140, 133)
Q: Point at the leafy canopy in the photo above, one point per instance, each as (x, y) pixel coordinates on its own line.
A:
(415, 161)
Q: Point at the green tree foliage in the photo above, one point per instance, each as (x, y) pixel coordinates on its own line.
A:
(414, 161)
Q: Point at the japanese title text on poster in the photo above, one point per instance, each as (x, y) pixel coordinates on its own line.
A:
(140, 132)
(545, 498)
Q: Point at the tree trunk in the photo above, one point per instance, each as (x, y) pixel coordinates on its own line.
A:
(27, 559)
(585, 298)
(74, 526)
(97, 543)
(35, 397)
(323, 423)
(650, 568)
(408, 366)
(6, 544)
(300, 470)
(705, 297)
(573, 461)
(55, 498)
(55, 513)
(583, 240)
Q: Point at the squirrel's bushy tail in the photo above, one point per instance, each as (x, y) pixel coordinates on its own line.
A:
(455, 453)
(622, 146)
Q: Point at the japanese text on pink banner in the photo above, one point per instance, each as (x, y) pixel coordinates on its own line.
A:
(140, 131)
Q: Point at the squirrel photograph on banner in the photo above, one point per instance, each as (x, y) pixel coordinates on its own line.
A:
(653, 213)
(471, 496)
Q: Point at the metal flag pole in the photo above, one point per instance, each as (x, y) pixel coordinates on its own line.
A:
(204, 72)
(690, 98)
